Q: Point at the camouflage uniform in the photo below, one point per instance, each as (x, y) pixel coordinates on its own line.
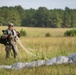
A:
(11, 43)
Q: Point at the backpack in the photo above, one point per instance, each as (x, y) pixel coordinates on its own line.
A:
(3, 41)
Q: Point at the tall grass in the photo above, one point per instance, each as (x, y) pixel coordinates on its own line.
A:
(43, 47)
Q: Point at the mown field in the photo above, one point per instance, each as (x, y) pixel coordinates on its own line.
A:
(43, 47)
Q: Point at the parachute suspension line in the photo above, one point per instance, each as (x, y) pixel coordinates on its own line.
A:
(26, 50)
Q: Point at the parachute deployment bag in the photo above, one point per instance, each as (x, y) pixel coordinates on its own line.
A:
(3, 41)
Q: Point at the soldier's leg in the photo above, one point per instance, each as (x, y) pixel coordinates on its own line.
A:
(8, 50)
(15, 50)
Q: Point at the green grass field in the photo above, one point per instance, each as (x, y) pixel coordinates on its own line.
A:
(43, 47)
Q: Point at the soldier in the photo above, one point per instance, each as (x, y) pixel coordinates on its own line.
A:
(11, 37)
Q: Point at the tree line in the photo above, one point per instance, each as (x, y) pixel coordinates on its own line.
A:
(41, 17)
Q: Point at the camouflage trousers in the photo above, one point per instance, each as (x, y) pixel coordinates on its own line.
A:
(8, 49)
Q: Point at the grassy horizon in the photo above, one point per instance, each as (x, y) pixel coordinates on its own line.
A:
(39, 32)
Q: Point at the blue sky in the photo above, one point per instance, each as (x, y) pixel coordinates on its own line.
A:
(50, 4)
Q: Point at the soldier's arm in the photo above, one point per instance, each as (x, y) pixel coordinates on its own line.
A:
(5, 35)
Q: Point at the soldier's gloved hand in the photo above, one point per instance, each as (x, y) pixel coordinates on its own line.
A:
(8, 35)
